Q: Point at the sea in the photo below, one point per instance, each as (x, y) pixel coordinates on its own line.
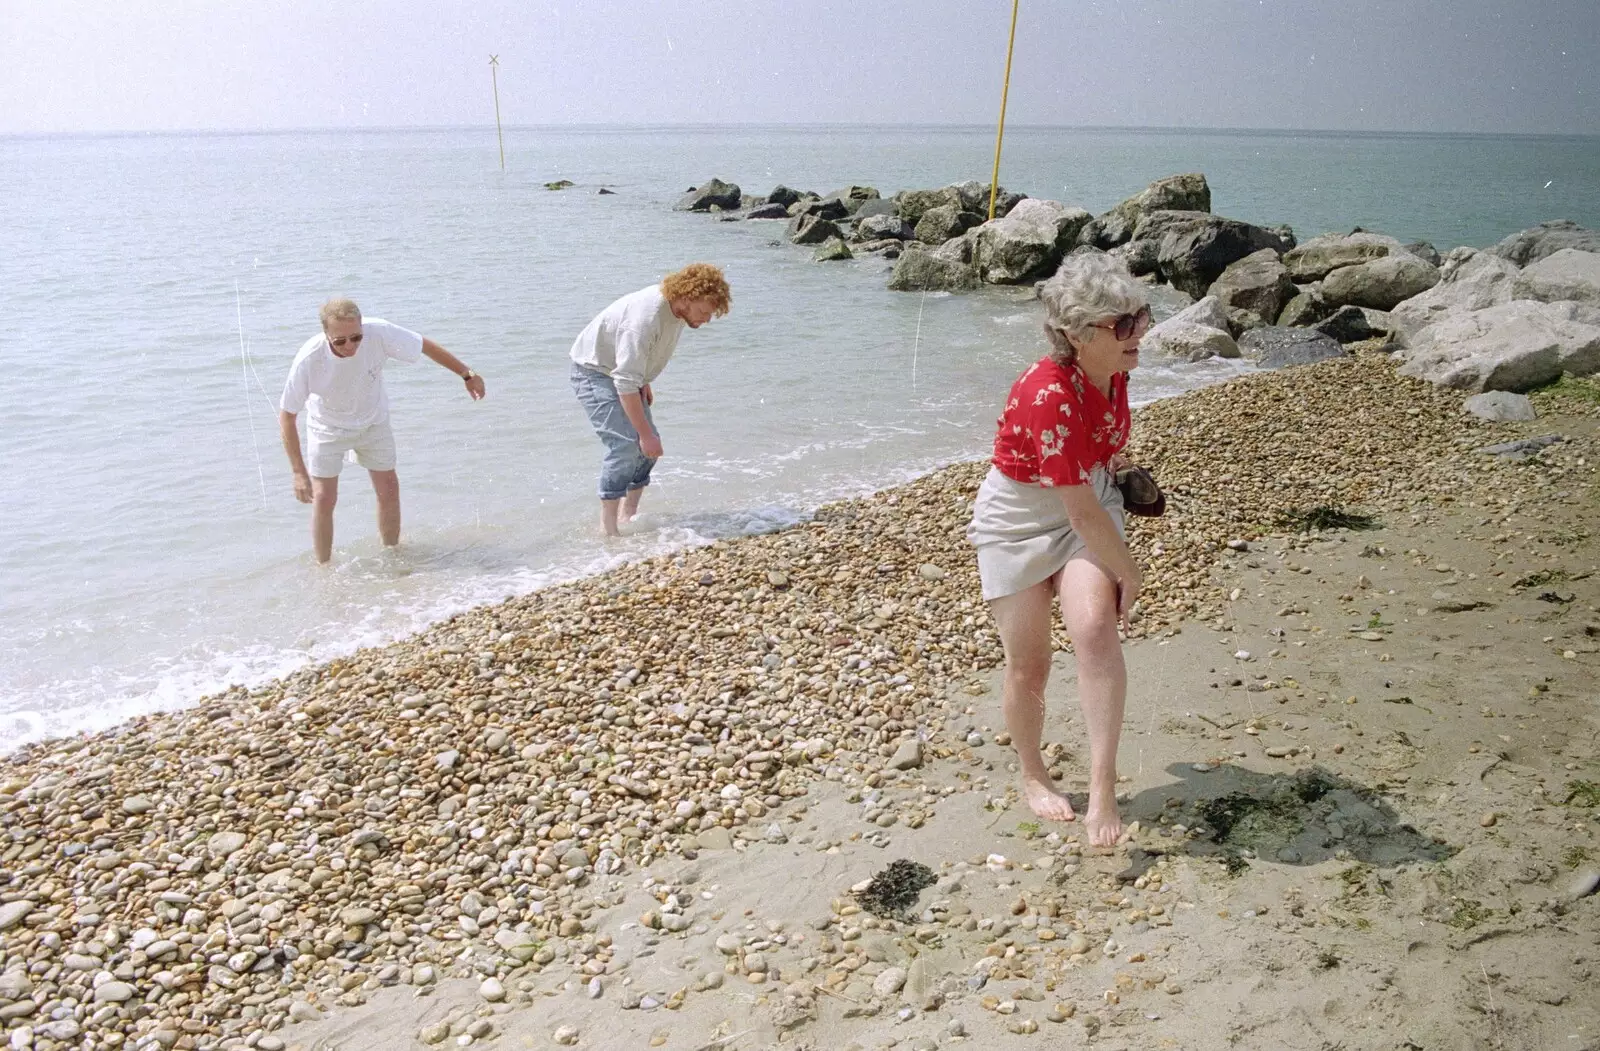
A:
(154, 288)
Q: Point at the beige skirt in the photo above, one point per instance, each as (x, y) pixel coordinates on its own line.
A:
(1022, 532)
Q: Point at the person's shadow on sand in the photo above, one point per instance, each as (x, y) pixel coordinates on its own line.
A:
(1301, 818)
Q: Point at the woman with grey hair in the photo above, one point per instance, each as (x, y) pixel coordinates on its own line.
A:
(1048, 523)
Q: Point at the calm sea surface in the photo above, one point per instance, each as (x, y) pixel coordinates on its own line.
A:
(153, 290)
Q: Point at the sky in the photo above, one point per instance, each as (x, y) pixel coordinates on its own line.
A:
(74, 66)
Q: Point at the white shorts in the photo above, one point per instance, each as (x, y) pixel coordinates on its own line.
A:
(1022, 532)
(372, 448)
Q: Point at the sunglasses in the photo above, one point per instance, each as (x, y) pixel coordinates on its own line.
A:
(1126, 326)
(354, 340)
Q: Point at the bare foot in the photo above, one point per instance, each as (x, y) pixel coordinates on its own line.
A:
(1045, 801)
(1103, 823)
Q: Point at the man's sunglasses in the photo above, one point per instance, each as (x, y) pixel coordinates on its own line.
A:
(356, 339)
(1125, 326)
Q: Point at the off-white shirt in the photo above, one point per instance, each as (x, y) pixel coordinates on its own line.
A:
(346, 395)
(631, 340)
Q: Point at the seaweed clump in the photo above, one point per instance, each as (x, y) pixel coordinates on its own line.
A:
(1323, 518)
(895, 889)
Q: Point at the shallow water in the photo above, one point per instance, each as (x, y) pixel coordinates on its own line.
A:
(153, 290)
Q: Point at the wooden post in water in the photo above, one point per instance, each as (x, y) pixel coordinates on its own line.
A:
(994, 180)
(494, 78)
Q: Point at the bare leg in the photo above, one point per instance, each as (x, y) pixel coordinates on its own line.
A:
(630, 504)
(386, 484)
(324, 494)
(608, 517)
(1089, 607)
(1023, 621)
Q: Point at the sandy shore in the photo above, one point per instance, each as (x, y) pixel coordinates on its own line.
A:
(631, 811)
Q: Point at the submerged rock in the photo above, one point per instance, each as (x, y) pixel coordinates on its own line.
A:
(714, 193)
(920, 270)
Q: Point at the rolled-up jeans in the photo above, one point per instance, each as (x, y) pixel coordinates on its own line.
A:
(625, 467)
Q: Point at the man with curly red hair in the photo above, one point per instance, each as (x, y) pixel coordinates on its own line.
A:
(614, 361)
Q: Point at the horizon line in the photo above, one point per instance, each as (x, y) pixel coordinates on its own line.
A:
(772, 125)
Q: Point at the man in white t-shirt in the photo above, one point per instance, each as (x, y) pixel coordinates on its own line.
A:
(337, 378)
(616, 358)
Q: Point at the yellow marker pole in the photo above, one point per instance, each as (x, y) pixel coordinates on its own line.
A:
(494, 66)
(994, 180)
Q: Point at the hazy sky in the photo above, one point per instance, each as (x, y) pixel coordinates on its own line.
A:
(1422, 65)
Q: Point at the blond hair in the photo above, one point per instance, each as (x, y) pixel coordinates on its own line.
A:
(339, 309)
(699, 281)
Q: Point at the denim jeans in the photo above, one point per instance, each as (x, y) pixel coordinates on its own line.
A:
(625, 468)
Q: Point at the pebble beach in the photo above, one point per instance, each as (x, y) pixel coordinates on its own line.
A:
(495, 832)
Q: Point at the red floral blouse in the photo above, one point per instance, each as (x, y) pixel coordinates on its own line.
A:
(1057, 427)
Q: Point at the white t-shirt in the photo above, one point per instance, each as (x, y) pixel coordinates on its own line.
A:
(346, 395)
(631, 340)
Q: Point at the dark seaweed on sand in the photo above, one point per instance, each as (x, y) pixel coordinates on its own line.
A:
(1323, 518)
(895, 889)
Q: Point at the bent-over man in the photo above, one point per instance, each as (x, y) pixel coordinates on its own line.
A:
(337, 379)
(614, 361)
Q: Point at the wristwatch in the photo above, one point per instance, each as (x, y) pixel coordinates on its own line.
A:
(468, 376)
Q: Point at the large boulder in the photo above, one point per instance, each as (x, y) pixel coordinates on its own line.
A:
(889, 247)
(821, 207)
(1322, 255)
(768, 211)
(1546, 239)
(920, 270)
(1028, 243)
(1175, 340)
(876, 206)
(1469, 282)
(832, 250)
(1208, 311)
(1196, 247)
(1285, 234)
(714, 193)
(957, 249)
(1276, 347)
(1140, 257)
(975, 198)
(1257, 285)
(1569, 274)
(1424, 250)
(812, 230)
(881, 227)
(912, 205)
(1514, 346)
(1382, 284)
(1351, 324)
(785, 196)
(940, 223)
(855, 196)
(1307, 307)
(1176, 193)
